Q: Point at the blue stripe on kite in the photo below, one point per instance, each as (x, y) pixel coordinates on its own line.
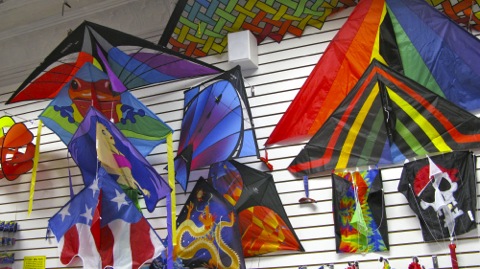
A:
(456, 75)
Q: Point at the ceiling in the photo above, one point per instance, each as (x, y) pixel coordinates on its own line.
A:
(31, 29)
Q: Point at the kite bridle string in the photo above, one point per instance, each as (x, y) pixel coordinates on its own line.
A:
(423, 219)
(226, 107)
(357, 203)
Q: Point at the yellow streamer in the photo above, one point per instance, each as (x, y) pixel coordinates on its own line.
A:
(171, 182)
(34, 168)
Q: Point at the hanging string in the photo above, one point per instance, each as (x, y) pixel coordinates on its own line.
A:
(24, 119)
(252, 88)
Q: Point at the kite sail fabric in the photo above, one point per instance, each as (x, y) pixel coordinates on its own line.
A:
(199, 28)
(217, 125)
(98, 142)
(138, 123)
(103, 227)
(359, 212)
(17, 150)
(441, 190)
(207, 231)
(129, 61)
(409, 36)
(385, 119)
(464, 12)
(263, 222)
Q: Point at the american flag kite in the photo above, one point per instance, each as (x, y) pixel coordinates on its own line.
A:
(102, 226)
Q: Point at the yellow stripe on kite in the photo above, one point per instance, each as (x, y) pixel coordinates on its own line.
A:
(376, 46)
(354, 130)
(422, 122)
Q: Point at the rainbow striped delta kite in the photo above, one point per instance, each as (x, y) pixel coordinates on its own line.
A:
(385, 119)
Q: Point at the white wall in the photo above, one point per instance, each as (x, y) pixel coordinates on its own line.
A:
(283, 69)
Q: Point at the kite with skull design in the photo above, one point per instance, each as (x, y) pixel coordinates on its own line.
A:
(441, 190)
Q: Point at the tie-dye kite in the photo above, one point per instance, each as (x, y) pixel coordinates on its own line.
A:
(359, 212)
(199, 28)
(409, 36)
(385, 119)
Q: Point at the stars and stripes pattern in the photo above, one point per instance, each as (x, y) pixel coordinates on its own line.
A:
(102, 226)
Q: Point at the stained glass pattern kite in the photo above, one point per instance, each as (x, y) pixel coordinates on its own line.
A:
(217, 125)
(464, 12)
(441, 190)
(387, 118)
(409, 36)
(200, 28)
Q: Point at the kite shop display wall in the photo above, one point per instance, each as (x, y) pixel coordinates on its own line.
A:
(283, 67)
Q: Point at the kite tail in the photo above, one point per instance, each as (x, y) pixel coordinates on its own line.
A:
(171, 204)
(35, 166)
(305, 186)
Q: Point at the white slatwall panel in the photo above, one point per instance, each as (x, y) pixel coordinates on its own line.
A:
(283, 69)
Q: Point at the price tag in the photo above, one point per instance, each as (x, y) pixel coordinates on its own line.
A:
(34, 262)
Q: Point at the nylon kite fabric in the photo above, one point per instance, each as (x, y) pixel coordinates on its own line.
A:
(385, 119)
(359, 212)
(66, 111)
(409, 36)
(207, 231)
(98, 222)
(199, 28)
(217, 125)
(17, 150)
(129, 61)
(263, 222)
(98, 142)
(441, 190)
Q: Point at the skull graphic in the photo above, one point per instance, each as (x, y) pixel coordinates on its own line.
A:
(441, 187)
